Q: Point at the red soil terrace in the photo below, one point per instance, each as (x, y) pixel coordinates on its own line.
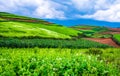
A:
(115, 29)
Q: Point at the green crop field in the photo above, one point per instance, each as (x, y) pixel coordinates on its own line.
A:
(51, 43)
(92, 31)
(19, 29)
(116, 37)
(57, 62)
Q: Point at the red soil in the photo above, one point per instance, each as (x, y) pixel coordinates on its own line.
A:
(81, 28)
(84, 28)
(115, 29)
(112, 31)
(19, 19)
(47, 23)
(107, 41)
(25, 20)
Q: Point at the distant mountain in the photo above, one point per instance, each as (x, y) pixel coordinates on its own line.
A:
(85, 22)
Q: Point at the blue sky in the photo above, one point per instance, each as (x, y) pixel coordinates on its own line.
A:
(102, 10)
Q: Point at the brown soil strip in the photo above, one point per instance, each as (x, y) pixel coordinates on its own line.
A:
(110, 32)
(107, 41)
(26, 20)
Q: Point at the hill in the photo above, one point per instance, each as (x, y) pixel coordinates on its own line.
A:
(20, 26)
(92, 31)
(81, 21)
(31, 32)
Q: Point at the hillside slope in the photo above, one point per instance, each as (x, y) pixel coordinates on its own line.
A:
(93, 31)
(19, 26)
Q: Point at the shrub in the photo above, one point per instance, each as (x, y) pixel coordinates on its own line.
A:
(94, 51)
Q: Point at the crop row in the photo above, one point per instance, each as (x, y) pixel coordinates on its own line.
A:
(49, 43)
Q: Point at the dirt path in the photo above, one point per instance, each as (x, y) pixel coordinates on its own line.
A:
(107, 41)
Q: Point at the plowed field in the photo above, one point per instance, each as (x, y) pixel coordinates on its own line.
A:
(107, 41)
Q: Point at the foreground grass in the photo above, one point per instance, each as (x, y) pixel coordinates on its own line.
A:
(56, 62)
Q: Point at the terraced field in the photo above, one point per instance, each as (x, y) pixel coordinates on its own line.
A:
(91, 31)
(19, 26)
(35, 47)
(104, 35)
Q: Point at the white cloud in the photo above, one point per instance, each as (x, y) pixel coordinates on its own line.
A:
(111, 15)
(49, 10)
(35, 8)
(104, 10)
(7, 5)
(92, 5)
(48, 13)
(82, 5)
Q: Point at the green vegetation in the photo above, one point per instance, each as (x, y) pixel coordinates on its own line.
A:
(92, 31)
(9, 15)
(116, 37)
(50, 43)
(85, 26)
(17, 26)
(98, 35)
(57, 62)
(19, 29)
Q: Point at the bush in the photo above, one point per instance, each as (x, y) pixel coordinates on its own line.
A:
(94, 51)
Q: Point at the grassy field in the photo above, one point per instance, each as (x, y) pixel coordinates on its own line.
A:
(52, 62)
(21, 29)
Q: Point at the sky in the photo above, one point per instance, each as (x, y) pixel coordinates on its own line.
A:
(101, 10)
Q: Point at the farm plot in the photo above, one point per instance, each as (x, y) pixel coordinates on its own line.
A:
(116, 38)
(50, 43)
(107, 41)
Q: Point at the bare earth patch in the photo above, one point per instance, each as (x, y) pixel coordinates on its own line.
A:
(107, 41)
(111, 32)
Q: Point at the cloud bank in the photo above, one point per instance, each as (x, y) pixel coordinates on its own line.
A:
(35, 8)
(105, 10)
(102, 10)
